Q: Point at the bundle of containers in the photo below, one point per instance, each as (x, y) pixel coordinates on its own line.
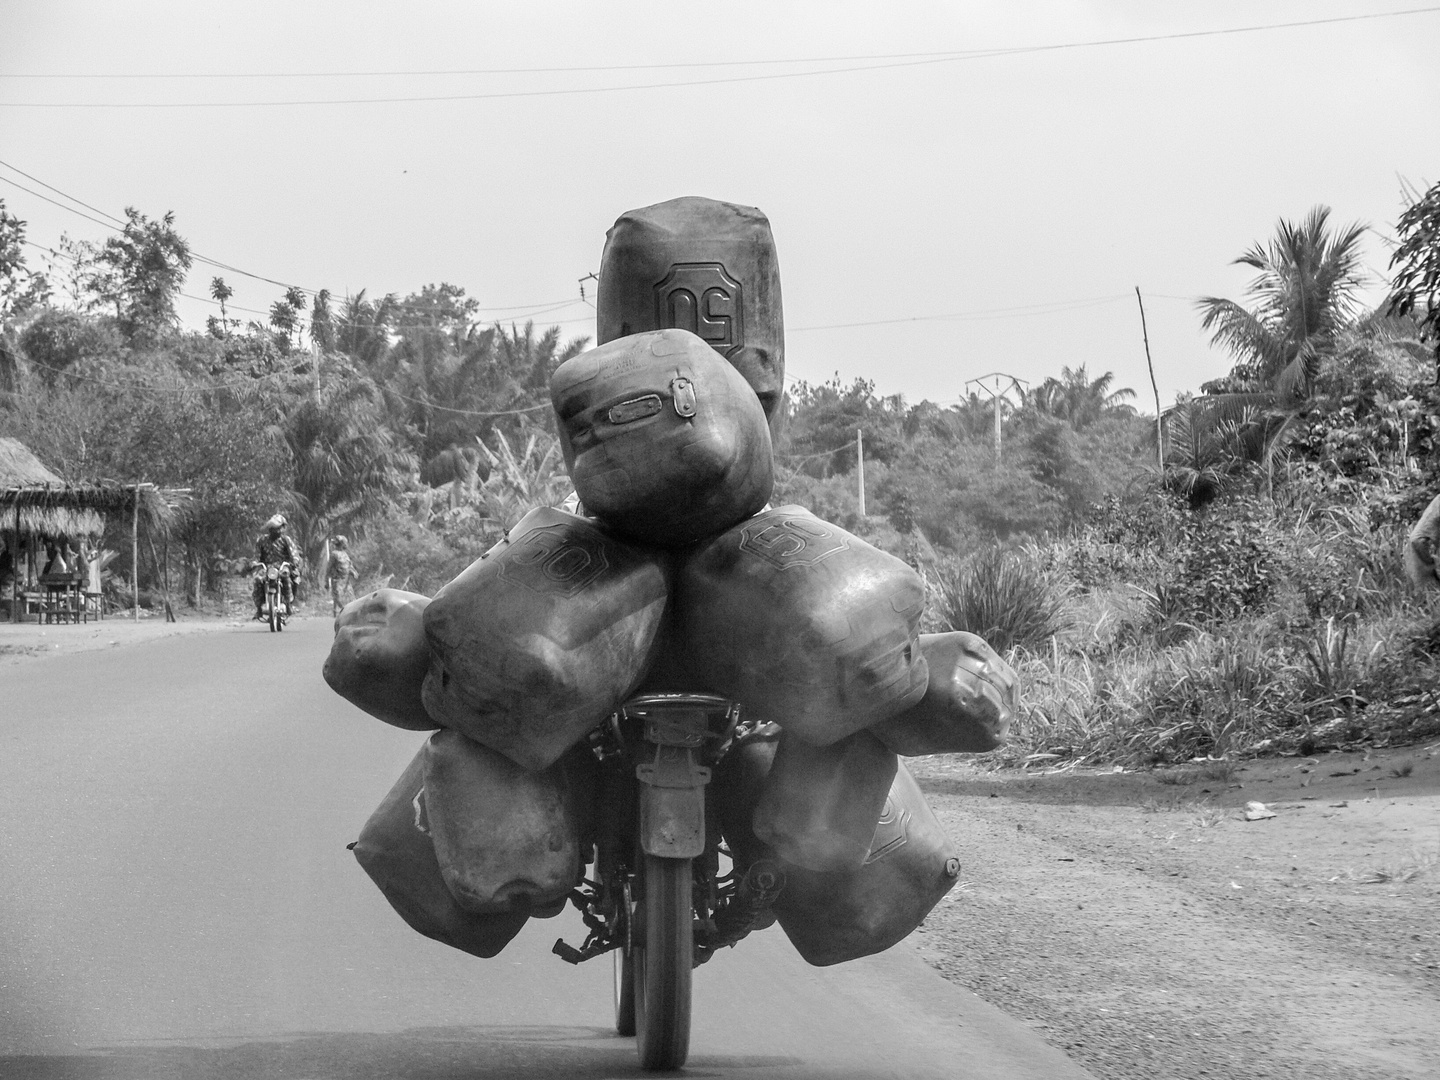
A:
(678, 575)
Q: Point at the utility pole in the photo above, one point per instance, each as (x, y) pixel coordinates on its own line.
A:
(1159, 427)
(997, 393)
(315, 365)
(860, 466)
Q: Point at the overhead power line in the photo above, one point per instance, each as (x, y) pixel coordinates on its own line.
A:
(559, 69)
(1024, 310)
(520, 310)
(944, 58)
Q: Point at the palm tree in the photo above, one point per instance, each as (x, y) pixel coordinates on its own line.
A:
(1205, 452)
(362, 331)
(346, 464)
(1304, 296)
(1078, 398)
(529, 361)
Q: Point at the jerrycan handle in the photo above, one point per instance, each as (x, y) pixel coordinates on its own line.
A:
(683, 395)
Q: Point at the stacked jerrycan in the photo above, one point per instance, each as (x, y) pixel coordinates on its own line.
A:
(676, 574)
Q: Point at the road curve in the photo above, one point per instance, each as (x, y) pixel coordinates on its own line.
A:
(176, 900)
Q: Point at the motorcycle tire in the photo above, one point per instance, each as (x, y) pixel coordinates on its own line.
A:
(664, 963)
(273, 614)
(624, 991)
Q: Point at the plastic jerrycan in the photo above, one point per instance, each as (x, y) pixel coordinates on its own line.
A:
(395, 850)
(379, 657)
(832, 917)
(804, 624)
(700, 265)
(664, 440)
(543, 636)
(968, 705)
(507, 839)
(819, 804)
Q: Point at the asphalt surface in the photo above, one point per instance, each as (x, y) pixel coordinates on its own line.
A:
(176, 900)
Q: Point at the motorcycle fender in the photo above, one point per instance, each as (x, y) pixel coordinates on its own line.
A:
(672, 821)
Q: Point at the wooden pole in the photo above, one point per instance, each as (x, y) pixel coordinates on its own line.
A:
(15, 566)
(1159, 427)
(860, 466)
(135, 552)
(165, 579)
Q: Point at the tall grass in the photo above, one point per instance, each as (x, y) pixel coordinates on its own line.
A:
(1007, 597)
(1118, 667)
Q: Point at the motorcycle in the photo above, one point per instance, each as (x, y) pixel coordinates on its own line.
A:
(276, 578)
(658, 901)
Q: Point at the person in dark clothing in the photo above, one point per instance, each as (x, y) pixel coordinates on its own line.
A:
(275, 547)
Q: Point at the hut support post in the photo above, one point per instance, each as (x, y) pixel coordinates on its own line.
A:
(15, 567)
(135, 552)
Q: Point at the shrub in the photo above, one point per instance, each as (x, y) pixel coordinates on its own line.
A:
(1007, 597)
(1227, 567)
(396, 551)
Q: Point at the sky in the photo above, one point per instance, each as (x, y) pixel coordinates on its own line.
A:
(956, 189)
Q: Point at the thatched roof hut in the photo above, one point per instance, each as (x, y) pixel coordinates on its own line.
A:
(20, 468)
(43, 504)
(34, 502)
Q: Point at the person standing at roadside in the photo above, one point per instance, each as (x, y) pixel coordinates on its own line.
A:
(340, 572)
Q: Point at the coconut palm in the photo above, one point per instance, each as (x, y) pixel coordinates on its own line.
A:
(1304, 295)
(1304, 299)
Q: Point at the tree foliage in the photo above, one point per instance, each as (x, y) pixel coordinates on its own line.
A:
(1415, 288)
(21, 288)
(141, 271)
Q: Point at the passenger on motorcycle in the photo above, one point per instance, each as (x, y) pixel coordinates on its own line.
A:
(275, 548)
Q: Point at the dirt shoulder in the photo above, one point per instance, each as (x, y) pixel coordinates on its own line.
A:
(1143, 925)
(22, 642)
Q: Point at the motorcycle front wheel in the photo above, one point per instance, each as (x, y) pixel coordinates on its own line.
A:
(624, 991)
(662, 964)
(272, 612)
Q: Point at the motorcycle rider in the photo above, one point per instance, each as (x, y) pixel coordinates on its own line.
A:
(275, 547)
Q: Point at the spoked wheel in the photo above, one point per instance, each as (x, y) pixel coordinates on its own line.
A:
(272, 612)
(624, 958)
(662, 958)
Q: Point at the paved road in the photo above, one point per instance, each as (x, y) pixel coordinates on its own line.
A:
(176, 900)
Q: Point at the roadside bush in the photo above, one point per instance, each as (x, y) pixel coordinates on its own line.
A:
(1007, 597)
(1129, 540)
(1227, 567)
(397, 552)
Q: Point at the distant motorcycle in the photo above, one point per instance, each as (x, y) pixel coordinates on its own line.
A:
(276, 578)
(658, 900)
